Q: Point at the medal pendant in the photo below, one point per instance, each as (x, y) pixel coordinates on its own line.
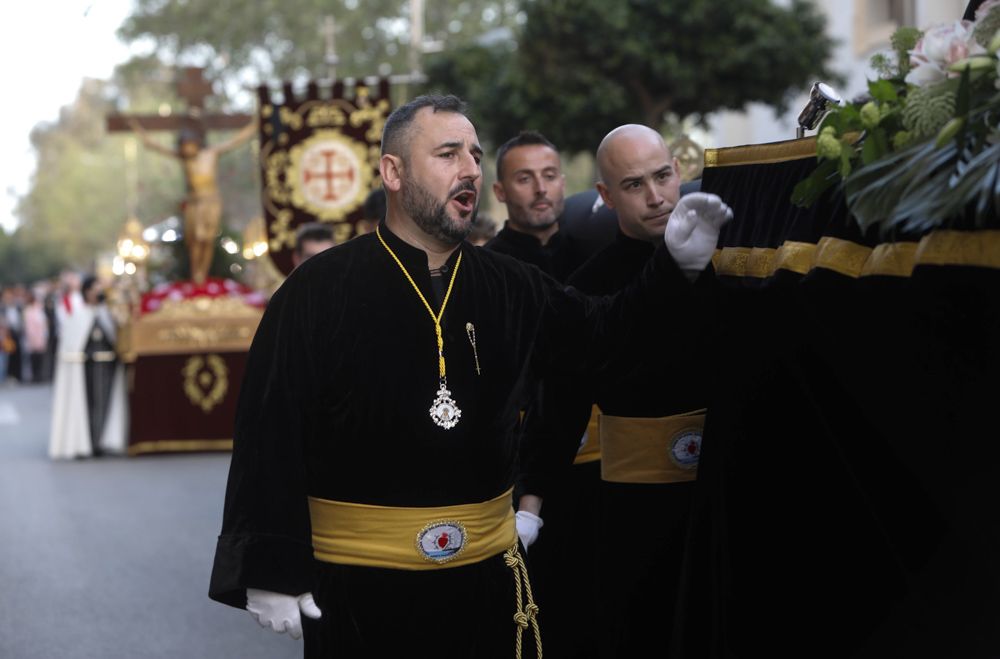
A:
(444, 411)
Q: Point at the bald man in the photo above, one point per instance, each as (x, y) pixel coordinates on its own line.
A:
(650, 417)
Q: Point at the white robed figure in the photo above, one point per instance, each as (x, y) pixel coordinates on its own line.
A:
(77, 413)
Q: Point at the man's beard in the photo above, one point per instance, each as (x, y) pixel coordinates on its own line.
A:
(432, 216)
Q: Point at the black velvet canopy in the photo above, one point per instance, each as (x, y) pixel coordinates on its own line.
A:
(846, 502)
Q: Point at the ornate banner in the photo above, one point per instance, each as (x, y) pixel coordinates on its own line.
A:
(319, 160)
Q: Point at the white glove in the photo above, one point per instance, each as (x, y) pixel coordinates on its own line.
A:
(528, 526)
(693, 230)
(280, 612)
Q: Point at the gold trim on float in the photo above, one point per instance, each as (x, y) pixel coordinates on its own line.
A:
(196, 325)
(843, 256)
(795, 256)
(763, 262)
(976, 249)
(891, 260)
(180, 446)
(761, 154)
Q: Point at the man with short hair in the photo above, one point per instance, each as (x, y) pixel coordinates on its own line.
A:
(531, 184)
(374, 449)
(651, 412)
(311, 239)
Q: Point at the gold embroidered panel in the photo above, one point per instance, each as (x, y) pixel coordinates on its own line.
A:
(319, 158)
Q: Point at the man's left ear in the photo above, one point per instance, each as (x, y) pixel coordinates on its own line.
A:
(389, 167)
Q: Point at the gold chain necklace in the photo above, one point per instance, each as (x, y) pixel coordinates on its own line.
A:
(444, 411)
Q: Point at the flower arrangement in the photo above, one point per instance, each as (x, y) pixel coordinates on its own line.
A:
(923, 149)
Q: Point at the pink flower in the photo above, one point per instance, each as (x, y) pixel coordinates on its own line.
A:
(939, 48)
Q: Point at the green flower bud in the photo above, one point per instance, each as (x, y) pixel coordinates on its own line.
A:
(949, 131)
(828, 147)
(901, 140)
(977, 63)
(828, 130)
(870, 115)
(995, 43)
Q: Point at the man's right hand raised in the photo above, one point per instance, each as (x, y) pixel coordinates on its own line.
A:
(693, 230)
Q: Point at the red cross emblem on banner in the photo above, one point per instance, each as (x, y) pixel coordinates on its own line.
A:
(329, 173)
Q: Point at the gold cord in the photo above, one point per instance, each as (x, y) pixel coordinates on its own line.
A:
(444, 303)
(524, 615)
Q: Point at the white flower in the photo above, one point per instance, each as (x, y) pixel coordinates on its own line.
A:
(940, 47)
(925, 73)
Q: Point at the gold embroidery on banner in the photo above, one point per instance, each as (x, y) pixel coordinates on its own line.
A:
(376, 114)
(206, 381)
(290, 118)
(284, 235)
(325, 115)
(275, 180)
(843, 256)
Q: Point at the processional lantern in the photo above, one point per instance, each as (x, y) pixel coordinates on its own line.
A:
(821, 98)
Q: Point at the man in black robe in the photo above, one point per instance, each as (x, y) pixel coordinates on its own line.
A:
(336, 452)
(531, 184)
(650, 412)
(101, 362)
(540, 228)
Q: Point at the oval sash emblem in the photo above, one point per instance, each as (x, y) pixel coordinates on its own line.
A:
(685, 449)
(441, 541)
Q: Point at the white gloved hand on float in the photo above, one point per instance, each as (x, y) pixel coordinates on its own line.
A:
(528, 526)
(281, 612)
(693, 230)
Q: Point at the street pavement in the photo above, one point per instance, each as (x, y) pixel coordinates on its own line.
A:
(110, 558)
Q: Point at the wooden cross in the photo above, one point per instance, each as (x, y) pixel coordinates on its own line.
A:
(193, 88)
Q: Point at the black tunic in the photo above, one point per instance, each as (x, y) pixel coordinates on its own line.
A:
(334, 405)
(561, 583)
(638, 578)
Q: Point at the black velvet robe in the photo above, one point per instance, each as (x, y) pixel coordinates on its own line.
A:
(637, 586)
(335, 402)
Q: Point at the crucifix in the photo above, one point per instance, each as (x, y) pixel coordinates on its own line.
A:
(202, 208)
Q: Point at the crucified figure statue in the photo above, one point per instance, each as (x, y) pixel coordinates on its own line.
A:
(203, 205)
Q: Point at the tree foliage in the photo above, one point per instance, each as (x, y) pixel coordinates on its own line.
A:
(78, 198)
(582, 67)
(271, 40)
(573, 70)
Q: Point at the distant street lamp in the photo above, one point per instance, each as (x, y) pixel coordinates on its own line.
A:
(132, 248)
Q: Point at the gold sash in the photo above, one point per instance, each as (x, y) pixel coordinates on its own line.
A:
(658, 450)
(411, 538)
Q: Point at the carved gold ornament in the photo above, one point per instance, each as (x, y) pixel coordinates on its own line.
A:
(206, 381)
